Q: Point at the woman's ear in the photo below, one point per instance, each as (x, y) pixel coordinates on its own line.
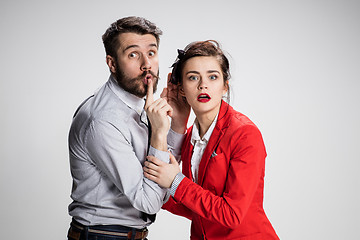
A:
(226, 87)
(181, 90)
(169, 77)
(110, 61)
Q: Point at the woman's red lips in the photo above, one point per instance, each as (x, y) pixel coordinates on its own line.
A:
(203, 97)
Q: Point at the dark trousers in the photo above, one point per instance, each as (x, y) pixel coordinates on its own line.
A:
(78, 231)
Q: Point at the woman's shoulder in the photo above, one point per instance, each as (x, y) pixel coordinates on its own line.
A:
(239, 127)
(242, 131)
(237, 119)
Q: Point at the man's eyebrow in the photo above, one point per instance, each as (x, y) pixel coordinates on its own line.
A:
(153, 45)
(130, 46)
(137, 46)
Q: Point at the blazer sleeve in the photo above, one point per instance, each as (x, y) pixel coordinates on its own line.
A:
(177, 208)
(245, 173)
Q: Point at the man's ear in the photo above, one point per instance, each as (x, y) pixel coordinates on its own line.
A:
(110, 61)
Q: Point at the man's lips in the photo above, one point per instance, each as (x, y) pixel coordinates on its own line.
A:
(203, 97)
(147, 77)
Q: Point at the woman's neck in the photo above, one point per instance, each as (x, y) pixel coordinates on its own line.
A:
(205, 121)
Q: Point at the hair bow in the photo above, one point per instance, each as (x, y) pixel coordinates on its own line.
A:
(181, 54)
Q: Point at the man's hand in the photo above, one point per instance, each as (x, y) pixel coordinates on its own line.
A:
(157, 112)
(181, 109)
(160, 172)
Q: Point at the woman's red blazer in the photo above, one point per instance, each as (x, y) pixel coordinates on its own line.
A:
(227, 202)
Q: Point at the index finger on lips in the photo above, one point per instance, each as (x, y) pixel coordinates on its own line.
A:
(149, 94)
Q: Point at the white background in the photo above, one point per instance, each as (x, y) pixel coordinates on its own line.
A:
(295, 72)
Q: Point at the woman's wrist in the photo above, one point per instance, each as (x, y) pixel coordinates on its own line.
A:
(176, 182)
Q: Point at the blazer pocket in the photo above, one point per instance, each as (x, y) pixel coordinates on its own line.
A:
(216, 174)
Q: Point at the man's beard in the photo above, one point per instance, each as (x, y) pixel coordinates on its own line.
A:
(135, 86)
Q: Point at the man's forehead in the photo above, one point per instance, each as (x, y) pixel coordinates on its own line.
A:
(134, 40)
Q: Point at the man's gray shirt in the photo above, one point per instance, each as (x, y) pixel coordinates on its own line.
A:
(108, 144)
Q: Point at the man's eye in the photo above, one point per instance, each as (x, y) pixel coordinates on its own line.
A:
(132, 55)
(152, 53)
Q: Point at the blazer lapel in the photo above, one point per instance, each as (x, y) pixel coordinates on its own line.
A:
(218, 132)
(210, 148)
(186, 153)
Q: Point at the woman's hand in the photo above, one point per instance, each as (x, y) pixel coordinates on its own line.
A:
(181, 108)
(160, 172)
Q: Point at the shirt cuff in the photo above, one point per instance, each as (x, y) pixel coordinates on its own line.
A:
(163, 156)
(177, 180)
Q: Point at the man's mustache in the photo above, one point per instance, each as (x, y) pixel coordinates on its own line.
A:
(141, 77)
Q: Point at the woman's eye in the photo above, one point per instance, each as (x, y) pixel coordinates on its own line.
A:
(213, 77)
(193, 78)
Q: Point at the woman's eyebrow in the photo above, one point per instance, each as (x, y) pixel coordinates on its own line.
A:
(192, 71)
(213, 71)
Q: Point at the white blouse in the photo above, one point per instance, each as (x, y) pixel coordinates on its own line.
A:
(199, 146)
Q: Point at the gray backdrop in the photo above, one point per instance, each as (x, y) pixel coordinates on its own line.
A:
(295, 73)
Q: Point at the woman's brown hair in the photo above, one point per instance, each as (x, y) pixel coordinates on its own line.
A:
(208, 48)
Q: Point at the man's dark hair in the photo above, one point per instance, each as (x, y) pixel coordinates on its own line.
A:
(131, 24)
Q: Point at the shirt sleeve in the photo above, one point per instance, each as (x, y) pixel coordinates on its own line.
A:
(175, 141)
(163, 156)
(115, 157)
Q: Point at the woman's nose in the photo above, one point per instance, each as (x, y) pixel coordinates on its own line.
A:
(202, 85)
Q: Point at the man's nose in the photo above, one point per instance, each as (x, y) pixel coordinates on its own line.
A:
(145, 64)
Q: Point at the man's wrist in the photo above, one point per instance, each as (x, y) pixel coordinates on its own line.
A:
(162, 155)
(159, 141)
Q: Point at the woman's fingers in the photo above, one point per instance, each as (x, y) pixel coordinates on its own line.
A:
(151, 177)
(150, 171)
(151, 161)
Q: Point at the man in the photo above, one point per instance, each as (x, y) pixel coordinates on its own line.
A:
(109, 139)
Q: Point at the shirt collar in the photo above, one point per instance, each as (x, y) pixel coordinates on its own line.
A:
(195, 132)
(129, 99)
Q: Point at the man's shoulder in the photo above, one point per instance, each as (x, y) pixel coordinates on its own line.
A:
(103, 106)
(110, 109)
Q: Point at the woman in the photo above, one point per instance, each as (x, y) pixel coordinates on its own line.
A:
(223, 155)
